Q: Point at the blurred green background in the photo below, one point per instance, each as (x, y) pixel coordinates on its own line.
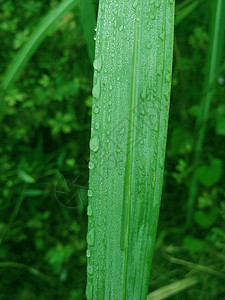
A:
(44, 153)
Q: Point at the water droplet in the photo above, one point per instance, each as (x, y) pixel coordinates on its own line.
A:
(91, 237)
(96, 90)
(161, 163)
(97, 125)
(167, 95)
(96, 110)
(95, 29)
(91, 165)
(103, 7)
(135, 3)
(89, 210)
(94, 143)
(110, 87)
(89, 193)
(89, 291)
(161, 36)
(90, 270)
(88, 253)
(168, 77)
(118, 150)
(121, 28)
(98, 63)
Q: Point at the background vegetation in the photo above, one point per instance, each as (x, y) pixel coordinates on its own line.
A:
(44, 153)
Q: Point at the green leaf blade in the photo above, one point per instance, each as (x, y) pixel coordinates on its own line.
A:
(129, 127)
(88, 18)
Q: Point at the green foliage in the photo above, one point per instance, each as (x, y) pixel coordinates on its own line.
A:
(42, 118)
(193, 244)
(31, 46)
(220, 126)
(209, 175)
(44, 153)
(208, 219)
(215, 50)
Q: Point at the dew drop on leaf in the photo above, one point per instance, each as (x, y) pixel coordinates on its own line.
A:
(91, 237)
(96, 110)
(90, 270)
(89, 210)
(96, 90)
(91, 165)
(89, 193)
(94, 143)
(98, 64)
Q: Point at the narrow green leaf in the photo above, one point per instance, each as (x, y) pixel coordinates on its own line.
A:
(31, 270)
(180, 6)
(18, 203)
(182, 14)
(166, 292)
(132, 80)
(34, 42)
(25, 177)
(33, 193)
(88, 19)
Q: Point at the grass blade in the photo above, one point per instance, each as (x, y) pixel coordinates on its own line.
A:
(185, 11)
(180, 6)
(213, 68)
(132, 80)
(31, 270)
(14, 214)
(34, 42)
(173, 289)
(88, 18)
